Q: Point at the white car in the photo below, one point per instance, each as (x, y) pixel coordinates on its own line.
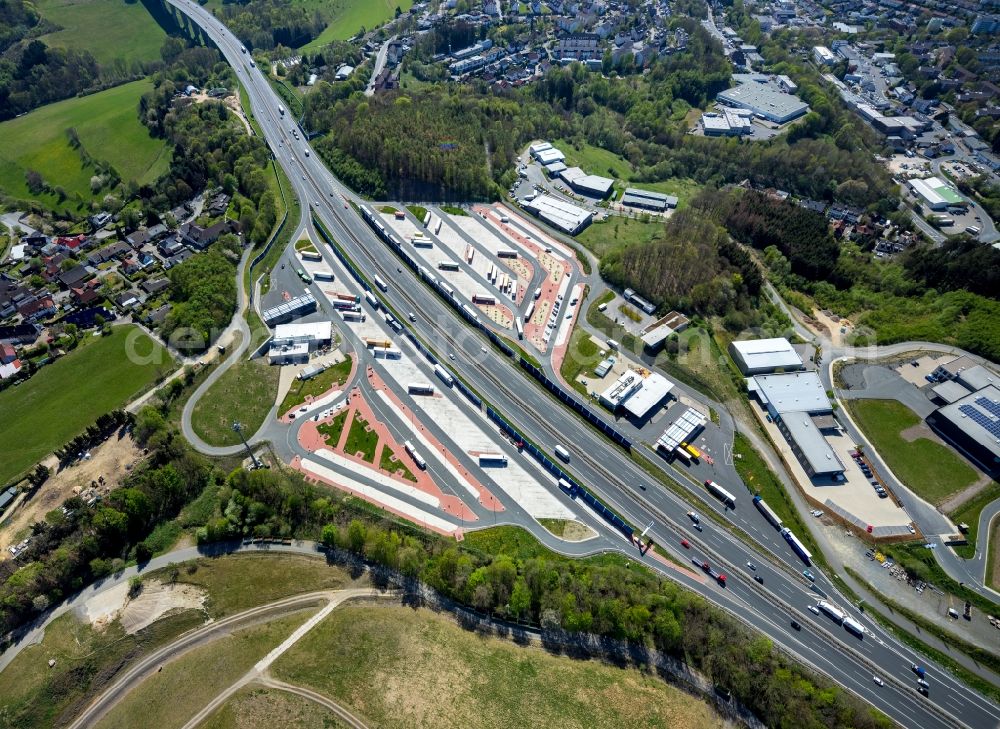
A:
(878, 681)
(814, 610)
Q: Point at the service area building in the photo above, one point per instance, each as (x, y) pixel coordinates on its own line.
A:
(760, 356)
(639, 393)
(559, 214)
(798, 405)
(292, 343)
(659, 331)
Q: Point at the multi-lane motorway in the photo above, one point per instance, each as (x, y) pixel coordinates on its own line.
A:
(769, 608)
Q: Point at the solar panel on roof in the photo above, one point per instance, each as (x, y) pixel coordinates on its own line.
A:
(989, 424)
(989, 405)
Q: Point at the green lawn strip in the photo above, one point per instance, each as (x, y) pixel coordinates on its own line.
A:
(185, 685)
(315, 386)
(452, 210)
(419, 211)
(992, 556)
(107, 28)
(286, 201)
(348, 17)
(968, 513)
(521, 544)
(760, 479)
(238, 582)
(245, 393)
(63, 398)
(86, 661)
(361, 440)
(581, 356)
(388, 210)
(958, 670)
(109, 129)
(418, 656)
(389, 462)
(332, 430)
(305, 246)
(929, 469)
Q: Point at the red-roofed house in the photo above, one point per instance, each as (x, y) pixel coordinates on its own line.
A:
(71, 243)
(86, 293)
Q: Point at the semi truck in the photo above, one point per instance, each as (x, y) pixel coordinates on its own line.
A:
(793, 541)
(444, 375)
(421, 463)
(381, 284)
(281, 109)
(420, 388)
(767, 511)
(304, 276)
(370, 298)
(562, 453)
(831, 611)
(853, 626)
(720, 493)
(492, 459)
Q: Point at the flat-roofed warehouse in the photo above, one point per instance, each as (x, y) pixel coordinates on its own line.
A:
(972, 424)
(759, 356)
(636, 198)
(798, 405)
(935, 193)
(581, 182)
(764, 101)
(559, 214)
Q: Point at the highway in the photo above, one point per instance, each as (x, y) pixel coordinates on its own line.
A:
(607, 469)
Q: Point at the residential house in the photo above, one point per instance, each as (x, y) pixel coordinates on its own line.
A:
(108, 253)
(86, 293)
(131, 266)
(71, 244)
(101, 219)
(37, 308)
(35, 239)
(170, 246)
(218, 205)
(155, 286)
(74, 276)
(201, 238)
(127, 300)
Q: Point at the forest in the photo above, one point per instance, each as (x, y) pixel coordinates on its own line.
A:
(692, 266)
(266, 24)
(203, 295)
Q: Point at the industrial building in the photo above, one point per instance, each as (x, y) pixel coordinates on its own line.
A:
(730, 123)
(604, 367)
(633, 298)
(635, 198)
(935, 193)
(288, 310)
(659, 331)
(639, 393)
(591, 185)
(972, 425)
(823, 56)
(559, 214)
(798, 405)
(550, 155)
(761, 356)
(755, 94)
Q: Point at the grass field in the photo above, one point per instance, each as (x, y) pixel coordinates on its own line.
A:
(346, 17)
(261, 707)
(582, 356)
(107, 28)
(432, 673)
(62, 399)
(35, 695)
(245, 392)
(175, 694)
(516, 542)
(239, 582)
(360, 440)
(109, 129)
(300, 389)
(389, 462)
(616, 232)
(332, 430)
(929, 469)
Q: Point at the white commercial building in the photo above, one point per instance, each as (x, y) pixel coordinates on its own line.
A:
(559, 214)
(548, 156)
(758, 356)
(637, 392)
(292, 343)
(581, 182)
(823, 56)
(935, 193)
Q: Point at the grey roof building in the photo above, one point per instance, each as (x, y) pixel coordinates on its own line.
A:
(759, 356)
(972, 424)
(636, 198)
(762, 99)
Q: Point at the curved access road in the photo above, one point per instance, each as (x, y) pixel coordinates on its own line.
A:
(151, 664)
(339, 711)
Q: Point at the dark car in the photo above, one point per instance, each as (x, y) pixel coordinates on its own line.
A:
(795, 624)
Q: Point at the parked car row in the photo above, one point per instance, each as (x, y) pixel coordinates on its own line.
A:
(869, 474)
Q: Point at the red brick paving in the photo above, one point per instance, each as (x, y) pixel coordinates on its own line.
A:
(486, 498)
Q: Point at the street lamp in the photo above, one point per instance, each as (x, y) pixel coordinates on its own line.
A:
(238, 427)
